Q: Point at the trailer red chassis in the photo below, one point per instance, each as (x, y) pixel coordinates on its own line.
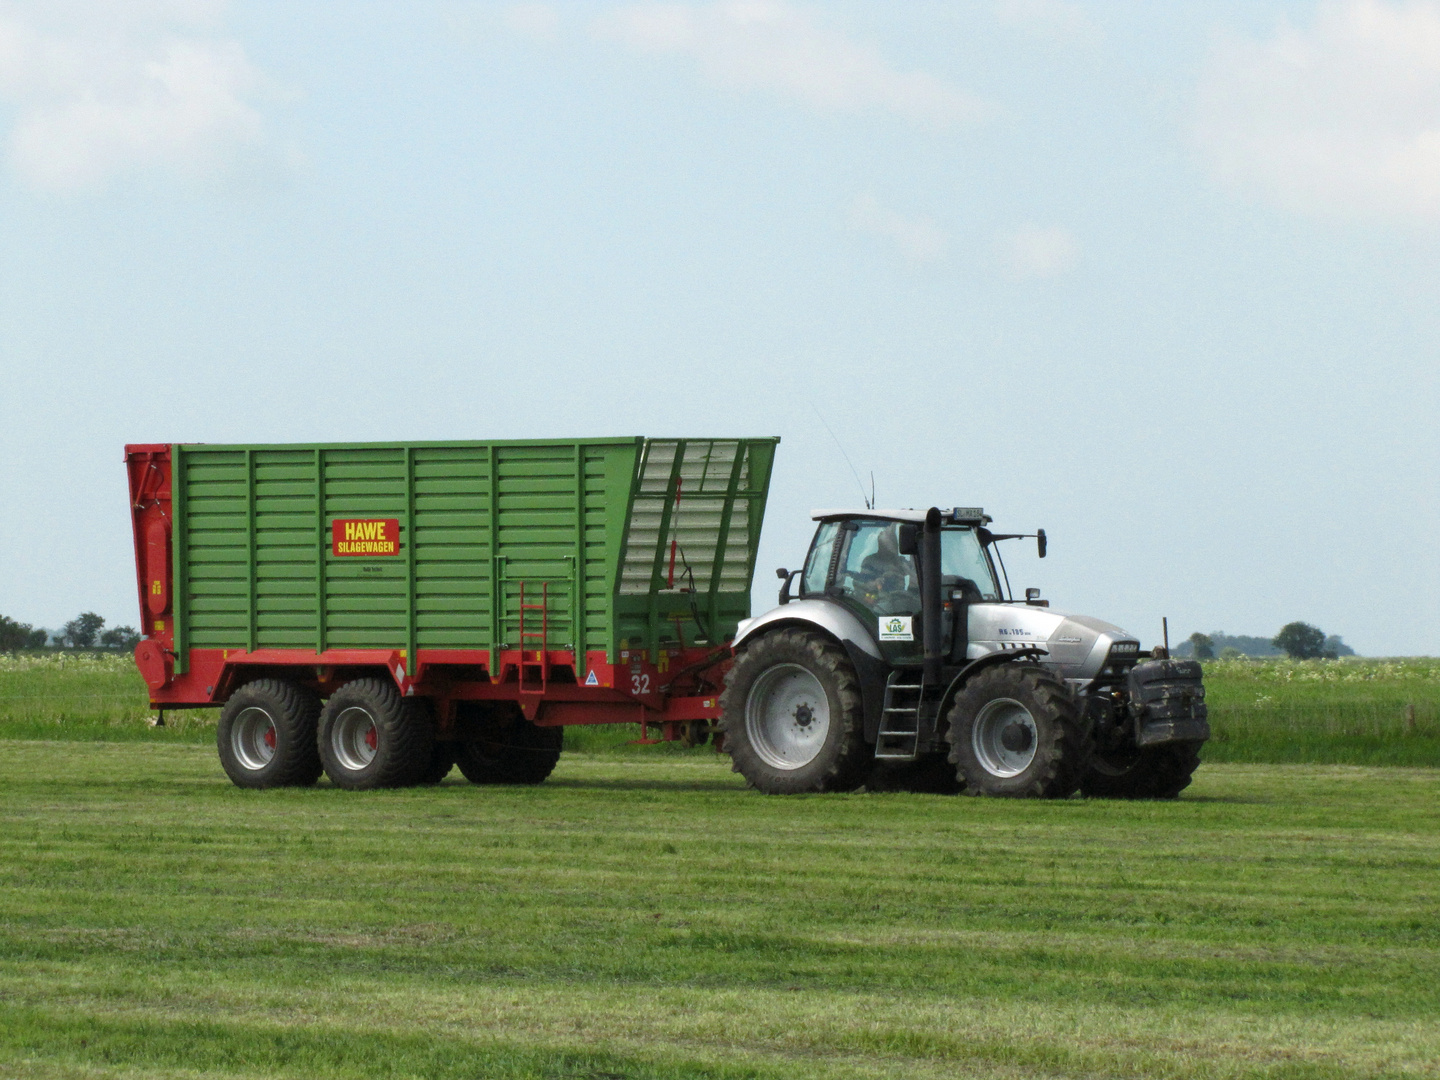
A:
(675, 688)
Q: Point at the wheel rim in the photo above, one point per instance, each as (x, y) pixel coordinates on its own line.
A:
(787, 716)
(1005, 737)
(354, 738)
(252, 738)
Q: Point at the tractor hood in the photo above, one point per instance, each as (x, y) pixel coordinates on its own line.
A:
(1077, 644)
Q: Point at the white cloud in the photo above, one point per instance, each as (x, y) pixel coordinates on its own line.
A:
(769, 45)
(98, 92)
(1032, 251)
(1339, 118)
(919, 239)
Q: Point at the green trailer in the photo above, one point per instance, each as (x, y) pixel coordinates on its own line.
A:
(441, 597)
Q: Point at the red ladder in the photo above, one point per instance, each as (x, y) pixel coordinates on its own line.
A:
(543, 635)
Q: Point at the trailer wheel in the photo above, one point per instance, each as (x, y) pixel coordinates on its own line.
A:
(371, 737)
(1015, 731)
(442, 760)
(792, 716)
(1159, 772)
(266, 735)
(508, 749)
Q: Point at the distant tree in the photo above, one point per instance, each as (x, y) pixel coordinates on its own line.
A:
(120, 637)
(1202, 647)
(80, 632)
(1229, 652)
(18, 635)
(1335, 647)
(1300, 640)
(38, 637)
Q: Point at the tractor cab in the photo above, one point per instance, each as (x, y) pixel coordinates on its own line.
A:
(869, 562)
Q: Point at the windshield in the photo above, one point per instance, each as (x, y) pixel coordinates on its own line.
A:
(962, 556)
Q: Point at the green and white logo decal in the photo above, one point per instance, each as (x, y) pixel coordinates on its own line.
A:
(896, 628)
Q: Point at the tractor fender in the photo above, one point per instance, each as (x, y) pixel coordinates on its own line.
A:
(989, 660)
(845, 629)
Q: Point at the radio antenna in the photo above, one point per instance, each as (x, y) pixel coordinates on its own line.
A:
(869, 501)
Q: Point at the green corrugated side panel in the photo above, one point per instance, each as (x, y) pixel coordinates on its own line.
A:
(255, 568)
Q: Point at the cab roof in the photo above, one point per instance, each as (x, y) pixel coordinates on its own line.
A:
(959, 515)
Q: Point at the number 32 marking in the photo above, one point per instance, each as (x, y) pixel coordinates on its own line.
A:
(639, 684)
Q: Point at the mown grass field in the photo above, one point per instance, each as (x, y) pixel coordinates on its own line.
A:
(642, 914)
(650, 917)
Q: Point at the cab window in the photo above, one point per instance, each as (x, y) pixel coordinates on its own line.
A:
(817, 567)
(875, 574)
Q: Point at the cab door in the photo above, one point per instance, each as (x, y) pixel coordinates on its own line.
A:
(881, 587)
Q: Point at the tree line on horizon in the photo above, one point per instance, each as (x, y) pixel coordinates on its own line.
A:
(85, 631)
(1297, 640)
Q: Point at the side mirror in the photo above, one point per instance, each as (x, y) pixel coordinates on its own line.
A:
(1031, 595)
(909, 540)
(785, 576)
(1040, 542)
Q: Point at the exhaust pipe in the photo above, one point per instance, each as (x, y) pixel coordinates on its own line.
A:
(931, 601)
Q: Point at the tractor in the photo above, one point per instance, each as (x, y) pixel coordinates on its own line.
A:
(897, 657)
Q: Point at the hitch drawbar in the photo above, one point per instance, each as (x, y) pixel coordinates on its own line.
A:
(1167, 698)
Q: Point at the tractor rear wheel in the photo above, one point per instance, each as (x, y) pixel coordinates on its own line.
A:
(1159, 772)
(371, 737)
(508, 749)
(266, 735)
(792, 715)
(1015, 732)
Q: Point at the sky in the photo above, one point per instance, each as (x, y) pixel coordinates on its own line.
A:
(1161, 279)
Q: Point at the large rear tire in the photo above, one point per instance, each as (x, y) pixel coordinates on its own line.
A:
(792, 715)
(266, 735)
(1159, 772)
(1015, 732)
(505, 748)
(371, 737)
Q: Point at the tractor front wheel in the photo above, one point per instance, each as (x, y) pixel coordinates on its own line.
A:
(1015, 732)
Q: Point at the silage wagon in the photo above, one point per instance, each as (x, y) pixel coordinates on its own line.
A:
(451, 603)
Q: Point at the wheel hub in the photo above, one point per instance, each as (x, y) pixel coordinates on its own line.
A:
(787, 716)
(252, 738)
(1016, 738)
(1005, 738)
(354, 738)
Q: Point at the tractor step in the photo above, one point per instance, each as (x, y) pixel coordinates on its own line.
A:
(899, 738)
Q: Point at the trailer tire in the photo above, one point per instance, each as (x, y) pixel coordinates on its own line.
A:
(442, 760)
(1016, 732)
(371, 737)
(1159, 772)
(792, 716)
(266, 735)
(509, 750)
